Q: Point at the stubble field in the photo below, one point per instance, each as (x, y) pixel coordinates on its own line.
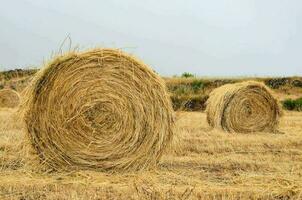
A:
(207, 164)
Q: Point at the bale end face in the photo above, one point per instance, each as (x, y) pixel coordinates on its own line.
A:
(9, 98)
(101, 109)
(243, 107)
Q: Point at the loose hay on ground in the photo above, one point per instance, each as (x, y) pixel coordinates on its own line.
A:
(101, 109)
(243, 107)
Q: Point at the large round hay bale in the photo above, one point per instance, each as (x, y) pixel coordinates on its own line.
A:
(243, 107)
(101, 109)
(9, 98)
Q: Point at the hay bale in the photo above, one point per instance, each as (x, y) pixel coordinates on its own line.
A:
(9, 98)
(243, 107)
(101, 109)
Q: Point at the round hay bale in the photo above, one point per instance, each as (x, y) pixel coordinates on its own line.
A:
(101, 109)
(243, 107)
(9, 98)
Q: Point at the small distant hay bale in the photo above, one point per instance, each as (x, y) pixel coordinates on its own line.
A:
(9, 98)
(101, 109)
(243, 107)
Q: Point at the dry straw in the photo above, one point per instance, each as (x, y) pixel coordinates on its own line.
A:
(243, 107)
(9, 98)
(101, 109)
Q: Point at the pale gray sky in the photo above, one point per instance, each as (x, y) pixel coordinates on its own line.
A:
(207, 38)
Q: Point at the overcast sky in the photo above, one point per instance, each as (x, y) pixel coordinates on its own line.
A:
(207, 38)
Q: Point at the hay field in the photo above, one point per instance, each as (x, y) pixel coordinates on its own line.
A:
(209, 164)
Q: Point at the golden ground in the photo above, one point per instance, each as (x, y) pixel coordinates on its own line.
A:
(209, 164)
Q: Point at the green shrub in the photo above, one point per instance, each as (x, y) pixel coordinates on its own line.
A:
(290, 104)
(299, 104)
(276, 83)
(190, 88)
(187, 75)
(297, 83)
(197, 85)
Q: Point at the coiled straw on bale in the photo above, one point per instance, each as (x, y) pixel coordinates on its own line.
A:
(101, 109)
(243, 107)
(9, 98)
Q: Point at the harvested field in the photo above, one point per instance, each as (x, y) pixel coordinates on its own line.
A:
(209, 165)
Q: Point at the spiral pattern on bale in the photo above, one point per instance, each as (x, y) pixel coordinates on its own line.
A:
(101, 109)
(243, 107)
(9, 98)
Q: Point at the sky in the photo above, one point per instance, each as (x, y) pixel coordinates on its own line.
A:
(206, 38)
